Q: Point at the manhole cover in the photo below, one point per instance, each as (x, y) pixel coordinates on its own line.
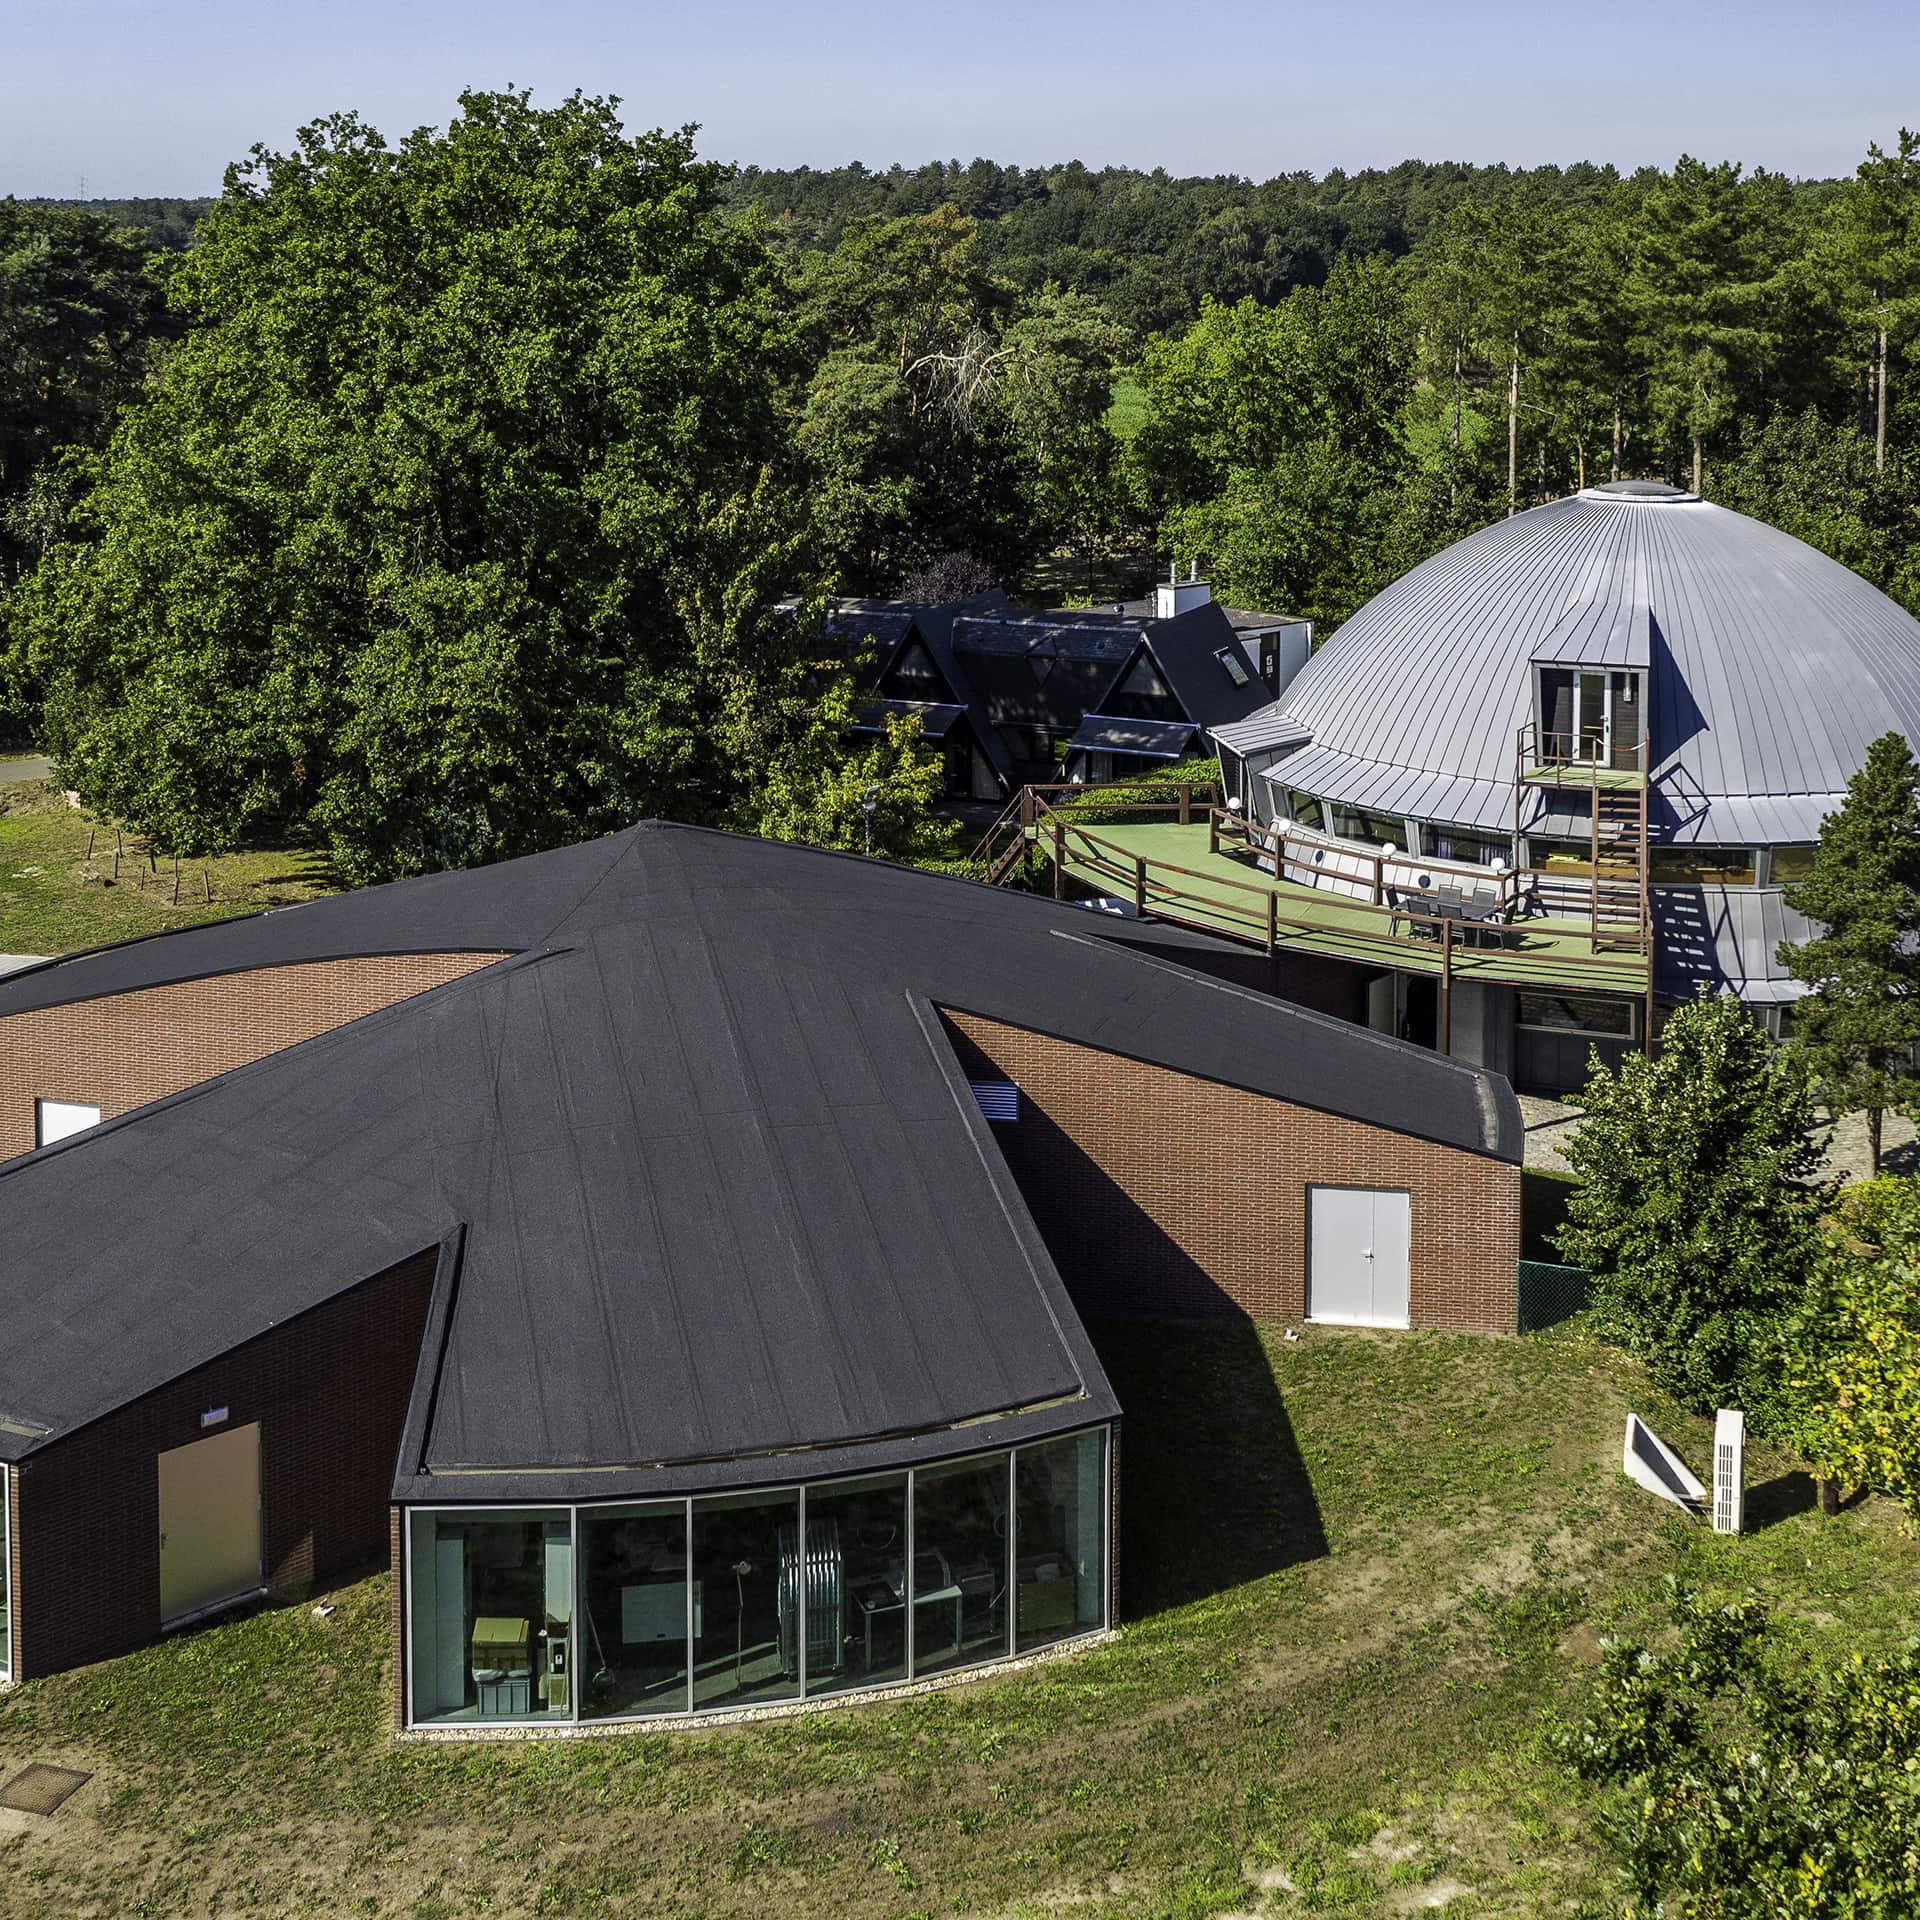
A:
(38, 1789)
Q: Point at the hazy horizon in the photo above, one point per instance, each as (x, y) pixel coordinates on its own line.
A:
(135, 100)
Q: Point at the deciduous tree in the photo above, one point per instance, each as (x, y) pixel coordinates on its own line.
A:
(1691, 1210)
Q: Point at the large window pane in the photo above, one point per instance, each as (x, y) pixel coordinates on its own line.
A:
(857, 1600)
(746, 1565)
(1060, 1560)
(960, 1563)
(633, 1610)
(1701, 866)
(492, 1615)
(1791, 865)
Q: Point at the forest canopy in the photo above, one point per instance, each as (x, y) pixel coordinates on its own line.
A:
(485, 450)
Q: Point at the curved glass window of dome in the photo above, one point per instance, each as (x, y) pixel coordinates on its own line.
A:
(1701, 866)
(1438, 841)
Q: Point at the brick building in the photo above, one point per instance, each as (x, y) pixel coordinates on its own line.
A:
(671, 1251)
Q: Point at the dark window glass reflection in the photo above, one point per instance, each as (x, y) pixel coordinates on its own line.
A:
(633, 1611)
(746, 1620)
(960, 1565)
(1060, 1569)
(857, 1600)
(492, 1616)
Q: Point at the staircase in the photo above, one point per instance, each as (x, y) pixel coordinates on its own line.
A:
(1618, 916)
(1619, 910)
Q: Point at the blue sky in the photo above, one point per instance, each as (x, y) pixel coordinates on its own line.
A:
(140, 96)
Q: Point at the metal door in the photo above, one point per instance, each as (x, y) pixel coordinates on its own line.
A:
(209, 1523)
(1359, 1256)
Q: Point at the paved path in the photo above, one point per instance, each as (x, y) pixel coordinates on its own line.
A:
(13, 962)
(1843, 1156)
(24, 767)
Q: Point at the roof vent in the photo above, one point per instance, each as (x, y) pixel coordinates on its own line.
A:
(997, 1099)
(1646, 491)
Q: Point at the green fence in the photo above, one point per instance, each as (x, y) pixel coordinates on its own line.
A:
(1550, 1294)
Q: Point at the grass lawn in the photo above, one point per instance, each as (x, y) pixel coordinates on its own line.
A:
(55, 899)
(1356, 1569)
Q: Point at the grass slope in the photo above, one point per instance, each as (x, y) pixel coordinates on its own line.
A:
(55, 899)
(1356, 1570)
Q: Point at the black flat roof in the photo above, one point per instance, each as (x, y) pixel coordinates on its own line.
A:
(722, 1194)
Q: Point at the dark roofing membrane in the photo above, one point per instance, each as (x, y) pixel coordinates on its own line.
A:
(727, 1209)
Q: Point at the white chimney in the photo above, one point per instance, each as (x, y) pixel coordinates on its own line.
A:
(1174, 596)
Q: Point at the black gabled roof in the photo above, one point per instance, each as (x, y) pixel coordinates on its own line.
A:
(720, 1191)
(1187, 651)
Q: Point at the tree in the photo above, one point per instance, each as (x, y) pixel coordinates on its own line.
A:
(1706, 288)
(1876, 240)
(440, 532)
(1854, 1365)
(1690, 1210)
(1819, 481)
(1860, 1021)
(1275, 438)
(82, 326)
(1742, 1785)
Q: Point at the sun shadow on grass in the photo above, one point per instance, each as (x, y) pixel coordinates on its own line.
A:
(1780, 1499)
(1213, 1491)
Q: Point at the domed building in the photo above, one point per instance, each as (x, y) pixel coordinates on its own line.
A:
(1553, 779)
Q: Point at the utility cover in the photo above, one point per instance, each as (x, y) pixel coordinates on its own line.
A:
(41, 1789)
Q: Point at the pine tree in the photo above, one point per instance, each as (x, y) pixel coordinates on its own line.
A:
(1858, 1025)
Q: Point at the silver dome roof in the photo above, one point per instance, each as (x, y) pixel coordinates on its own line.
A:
(1772, 667)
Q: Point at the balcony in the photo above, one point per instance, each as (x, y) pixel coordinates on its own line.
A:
(1186, 860)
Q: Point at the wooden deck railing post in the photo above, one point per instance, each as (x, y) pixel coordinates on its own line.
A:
(1186, 801)
(1139, 885)
(1213, 831)
(1379, 881)
(1273, 924)
(1059, 852)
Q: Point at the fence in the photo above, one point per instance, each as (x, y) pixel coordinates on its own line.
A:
(1550, 1294)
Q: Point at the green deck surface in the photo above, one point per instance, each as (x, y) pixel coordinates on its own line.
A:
(1542, 952)
(1561, 774)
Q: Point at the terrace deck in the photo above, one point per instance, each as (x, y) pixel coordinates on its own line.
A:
(1213, 895)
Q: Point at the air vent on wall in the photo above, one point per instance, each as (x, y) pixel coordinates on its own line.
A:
(998, 1099)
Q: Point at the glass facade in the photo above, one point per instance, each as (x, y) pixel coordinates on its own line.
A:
(1788, 866)
(1059, 1578)
(1377, 829)
(1577, 1013)
(1439, 841)
(690, 1605)
(1701, 866)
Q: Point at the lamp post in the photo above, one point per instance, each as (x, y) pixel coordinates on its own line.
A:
(868, 801)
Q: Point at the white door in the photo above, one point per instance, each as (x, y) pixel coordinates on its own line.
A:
(209, 1523)
(1358, 1255)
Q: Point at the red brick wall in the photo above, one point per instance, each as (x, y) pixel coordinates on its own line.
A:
(329, 1390)
(125, 1049)
(1160, 1193)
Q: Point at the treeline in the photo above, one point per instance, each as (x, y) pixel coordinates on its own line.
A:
(168, 224)
(1152, 248)
(534, 414)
